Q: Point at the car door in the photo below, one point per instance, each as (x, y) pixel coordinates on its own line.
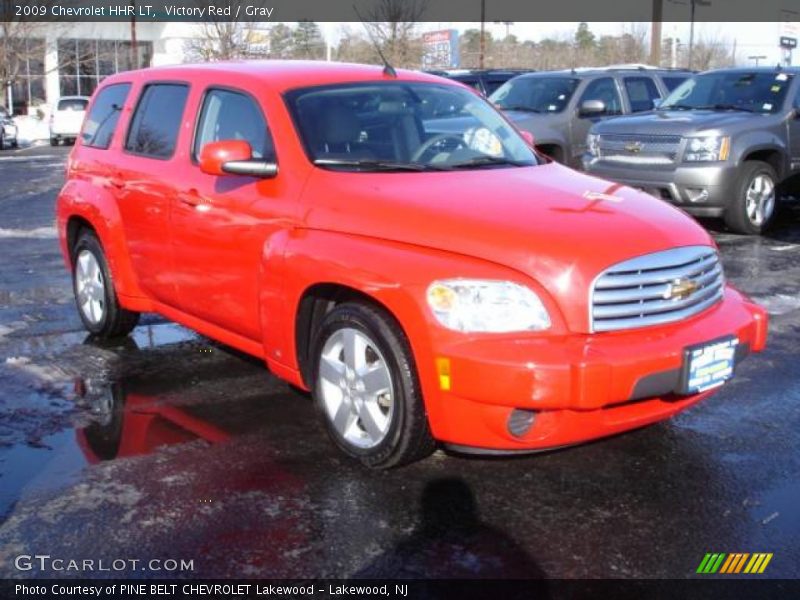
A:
(794, 130)
(220, 223)
(144, 178)
(641, 92)
(601, 88)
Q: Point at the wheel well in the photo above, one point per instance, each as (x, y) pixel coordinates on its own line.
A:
(773, 158)
(554, 151)
(317, 301)
(74, 227)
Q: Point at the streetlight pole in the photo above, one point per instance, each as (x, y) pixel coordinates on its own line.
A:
(482, 55)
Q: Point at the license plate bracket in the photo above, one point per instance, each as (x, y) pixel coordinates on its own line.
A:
(708, 365)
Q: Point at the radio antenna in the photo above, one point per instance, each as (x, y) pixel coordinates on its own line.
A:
(388, 69)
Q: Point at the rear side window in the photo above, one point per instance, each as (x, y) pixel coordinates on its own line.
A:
(157, 120)
(641, 93)
(228, 115)
(75, 104)
(673, 81)
(102, 120)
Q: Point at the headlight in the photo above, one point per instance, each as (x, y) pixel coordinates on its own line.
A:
(707, 148)
(482, 305)
(593, 144)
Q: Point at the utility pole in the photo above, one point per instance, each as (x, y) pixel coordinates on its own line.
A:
(655, 34)
(482, 55)
(134, 45)
(693, 4)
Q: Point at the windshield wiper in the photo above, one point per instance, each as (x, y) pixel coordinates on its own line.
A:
(520, 108)
(677, 107)
(375, 165)
(722, 106)
(482, 161)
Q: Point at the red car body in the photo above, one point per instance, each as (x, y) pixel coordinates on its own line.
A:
(234, 262)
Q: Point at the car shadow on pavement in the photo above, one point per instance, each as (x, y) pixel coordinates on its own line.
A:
(451, 541)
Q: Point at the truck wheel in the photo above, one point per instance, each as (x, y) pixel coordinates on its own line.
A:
(753, 206)
(2, 141)
(366, 387)
(94, 291)
(53, 141)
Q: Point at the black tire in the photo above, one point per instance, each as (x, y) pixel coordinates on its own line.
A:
(15, 144)
(408, 437)
(53, 141)
(736, 214)
(115, 320)
(2, 141)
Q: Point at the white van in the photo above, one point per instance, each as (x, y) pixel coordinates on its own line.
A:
(67, 118)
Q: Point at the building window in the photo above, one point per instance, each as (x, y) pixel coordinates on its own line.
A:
(28, 86)
(83, 64)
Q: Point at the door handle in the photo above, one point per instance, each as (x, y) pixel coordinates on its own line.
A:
(193, 199)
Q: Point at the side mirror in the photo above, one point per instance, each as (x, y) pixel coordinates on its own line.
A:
(528, 137)
(592, 108)
(234, 157)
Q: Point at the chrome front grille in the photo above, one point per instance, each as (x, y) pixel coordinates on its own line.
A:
(639, 149)
(656, 288)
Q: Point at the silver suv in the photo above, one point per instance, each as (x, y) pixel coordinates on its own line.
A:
(559, 107)
(720, 145)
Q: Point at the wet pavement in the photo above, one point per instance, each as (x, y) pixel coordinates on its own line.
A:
(170, 446)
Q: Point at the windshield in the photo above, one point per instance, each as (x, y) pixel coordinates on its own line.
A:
(535, 94)
(761, 92)
(394, 126)
(76, 104)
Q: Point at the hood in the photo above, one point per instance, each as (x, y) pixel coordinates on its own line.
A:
(536, 220)
(678, 122)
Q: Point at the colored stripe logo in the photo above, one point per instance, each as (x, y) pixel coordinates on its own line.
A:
(737, 562)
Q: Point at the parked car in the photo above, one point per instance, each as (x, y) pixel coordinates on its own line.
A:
(8, 130)
(486, 81)
(719, 146)
(66, 119)
(559, 107)
(453, 288)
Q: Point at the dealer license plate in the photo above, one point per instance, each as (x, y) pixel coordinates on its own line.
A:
(709, 365)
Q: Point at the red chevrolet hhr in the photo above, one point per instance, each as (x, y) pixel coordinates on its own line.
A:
(390, 242)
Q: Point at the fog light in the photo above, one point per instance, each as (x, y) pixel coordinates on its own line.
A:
(520, 421)
(697, 194)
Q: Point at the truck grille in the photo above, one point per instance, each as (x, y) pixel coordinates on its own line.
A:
(639, 149)
(656, 288)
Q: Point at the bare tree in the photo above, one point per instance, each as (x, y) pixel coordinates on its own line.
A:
(217, 40)
(392, 23)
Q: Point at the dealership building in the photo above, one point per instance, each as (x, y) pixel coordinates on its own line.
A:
(65, 59)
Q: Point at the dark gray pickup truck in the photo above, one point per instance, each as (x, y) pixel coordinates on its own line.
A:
(722, 144)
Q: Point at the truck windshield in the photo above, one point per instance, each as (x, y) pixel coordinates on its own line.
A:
(754, 91)
(404, 126)
(535, 94)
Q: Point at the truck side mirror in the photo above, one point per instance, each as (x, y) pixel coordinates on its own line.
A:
(592, 108)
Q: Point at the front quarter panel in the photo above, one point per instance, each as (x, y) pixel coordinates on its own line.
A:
(393, 275)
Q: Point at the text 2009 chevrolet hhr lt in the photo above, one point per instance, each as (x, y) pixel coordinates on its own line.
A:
(425, 286)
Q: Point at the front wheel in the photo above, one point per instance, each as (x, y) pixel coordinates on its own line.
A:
(753, 206)
(366, 387)
(94, 291)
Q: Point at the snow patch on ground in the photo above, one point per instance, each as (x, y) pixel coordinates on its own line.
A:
(31, 129)
(37, 233)
(779, 304)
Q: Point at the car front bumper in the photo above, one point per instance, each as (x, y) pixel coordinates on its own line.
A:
(577, 387)
(701, 189)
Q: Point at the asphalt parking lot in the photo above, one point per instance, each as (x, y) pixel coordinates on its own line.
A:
(170, 446)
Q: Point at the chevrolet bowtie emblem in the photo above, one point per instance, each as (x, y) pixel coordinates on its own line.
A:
(680, 289)
(633, 147)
